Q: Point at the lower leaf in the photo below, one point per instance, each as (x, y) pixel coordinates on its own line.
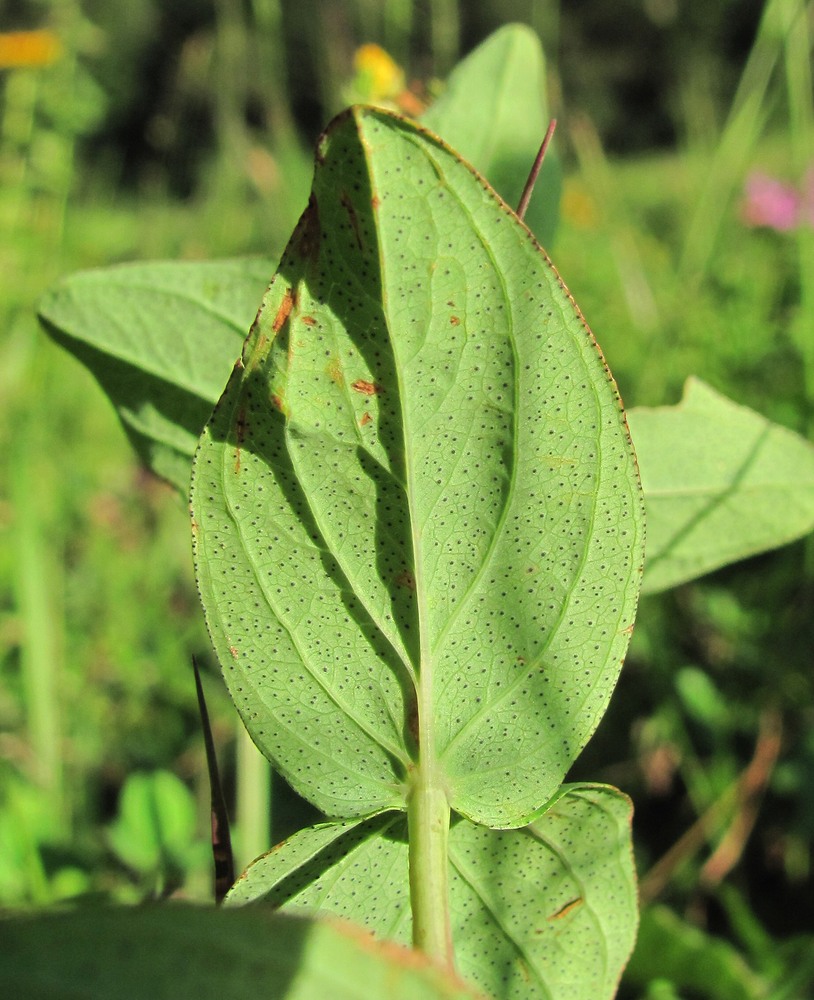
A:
(548, 910)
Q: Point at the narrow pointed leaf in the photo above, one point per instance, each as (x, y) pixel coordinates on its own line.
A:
(161, 340)
(418, 480)
(494, 113)
(544, 911)
(191, 953)
(721, 483)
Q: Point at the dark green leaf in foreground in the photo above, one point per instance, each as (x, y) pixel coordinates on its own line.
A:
(544, 911)
(161, 340)
(721, 483)
(416, 510)
(183, 953)
(494, 113)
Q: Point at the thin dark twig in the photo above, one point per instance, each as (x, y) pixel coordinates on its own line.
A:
(525, 197)
(221, 840)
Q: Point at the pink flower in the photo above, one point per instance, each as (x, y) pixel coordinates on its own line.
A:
(772, 203)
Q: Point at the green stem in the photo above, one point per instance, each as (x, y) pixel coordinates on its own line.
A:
(253, 800)
(428, 826)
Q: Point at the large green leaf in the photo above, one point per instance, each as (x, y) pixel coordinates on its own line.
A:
(721, 483)
(161, 339)
(545, 911)
(494, 113)
(416, 510)
(186, 953)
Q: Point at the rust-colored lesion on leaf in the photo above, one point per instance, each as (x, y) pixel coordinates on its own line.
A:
(365, 387)
(454, 321)
(308, 320)
(279, 403)
(366, 418)
(569, 907)
(405, 579)
(284, 311)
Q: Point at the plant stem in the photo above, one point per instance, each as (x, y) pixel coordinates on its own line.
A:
(428, 826)
(253, 799)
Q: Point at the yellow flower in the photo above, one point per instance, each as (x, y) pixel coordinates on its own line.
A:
(378, 76)
(28, 48)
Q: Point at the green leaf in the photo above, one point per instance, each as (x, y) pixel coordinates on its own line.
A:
(669, 948)
(494, 113)
(416, 510)
(156, 821)
(198, 954)
(161, 340)
(545, 911)
(721, 483)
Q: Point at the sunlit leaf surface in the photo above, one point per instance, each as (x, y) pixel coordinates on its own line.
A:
(419, 475)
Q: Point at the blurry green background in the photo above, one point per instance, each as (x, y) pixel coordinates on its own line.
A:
(183, 130)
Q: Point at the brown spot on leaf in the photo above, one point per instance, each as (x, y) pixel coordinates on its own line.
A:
(568, 908)
(308, 320)
(406, 579)
(366, 418)
(454, 321)
(284, 311)
(366, 388)
(233, 651)
(375, 202)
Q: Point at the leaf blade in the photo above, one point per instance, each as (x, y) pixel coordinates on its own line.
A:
(549, 910)
(494, 112)
(160, 338)
(420, 419)
(721, 483)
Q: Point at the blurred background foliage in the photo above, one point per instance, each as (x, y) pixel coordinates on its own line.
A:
(183, 130)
